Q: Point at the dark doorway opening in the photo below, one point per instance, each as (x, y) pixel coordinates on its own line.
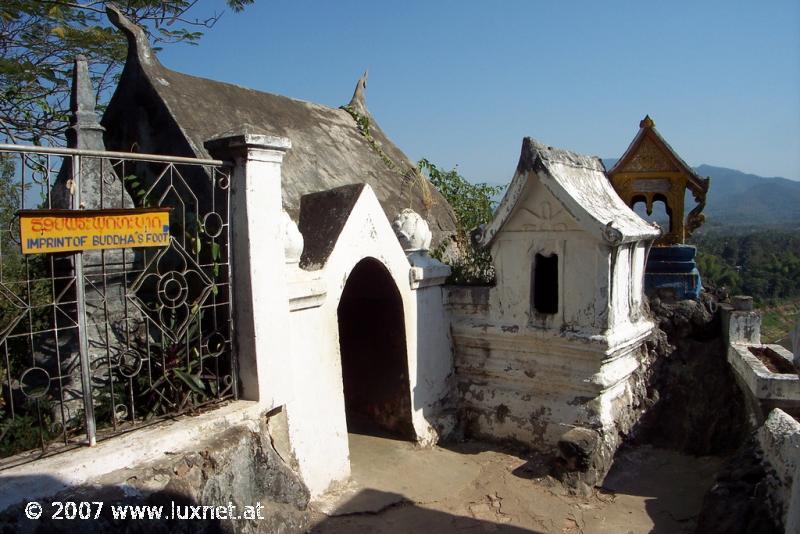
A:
(545, 284)
(372, 340)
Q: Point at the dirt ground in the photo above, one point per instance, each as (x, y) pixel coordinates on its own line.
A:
(475, 487)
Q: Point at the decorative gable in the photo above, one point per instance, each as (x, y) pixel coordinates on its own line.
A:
(649, 158)
(541, 212)
(651, 171)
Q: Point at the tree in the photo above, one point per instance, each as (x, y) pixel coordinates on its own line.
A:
(473, 205)
(39, 40)
(764, 263)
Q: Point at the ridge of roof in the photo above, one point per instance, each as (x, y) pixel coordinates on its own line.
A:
(580, 184)
(328, 149)
(647, 129)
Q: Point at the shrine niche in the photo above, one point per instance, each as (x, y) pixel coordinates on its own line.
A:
(650, 171)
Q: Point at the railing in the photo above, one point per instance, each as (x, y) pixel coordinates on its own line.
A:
(100, 342)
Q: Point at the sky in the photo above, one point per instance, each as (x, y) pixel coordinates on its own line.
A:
(461, 83)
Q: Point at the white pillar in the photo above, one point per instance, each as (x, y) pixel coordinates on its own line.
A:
(429, 342)
(260, 311)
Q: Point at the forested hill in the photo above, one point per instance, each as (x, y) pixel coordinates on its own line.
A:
(738, 198)
(762, 263)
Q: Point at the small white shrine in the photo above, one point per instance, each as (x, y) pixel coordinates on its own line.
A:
(556, 343)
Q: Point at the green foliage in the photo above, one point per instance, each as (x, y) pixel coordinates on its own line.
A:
(778, 321)
(363, 125)
(40, 39)
(473, 205)
(762, 263)
(411, 175)
(715, 269)
(11, 265)
(175, 381)
(15, 269)
(25, 432)
(9, 202)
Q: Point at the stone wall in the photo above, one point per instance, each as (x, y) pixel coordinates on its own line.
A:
(756, 490)
(241, 466)
(674, 390)
(779, 441)
(695, 405)
(312, 366)
(550, 390)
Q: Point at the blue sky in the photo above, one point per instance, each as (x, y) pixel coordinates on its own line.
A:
(462, 83)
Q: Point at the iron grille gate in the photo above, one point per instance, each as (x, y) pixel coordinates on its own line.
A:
(101, 342)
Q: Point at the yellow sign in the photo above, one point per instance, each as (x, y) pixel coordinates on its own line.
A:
(44, 231)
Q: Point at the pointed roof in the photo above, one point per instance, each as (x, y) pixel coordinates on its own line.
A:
(330, 147)
(648, 135)
(322, 218)
(579, 183)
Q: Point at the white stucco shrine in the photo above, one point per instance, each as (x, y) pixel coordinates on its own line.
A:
(556, 343)
(344, 322)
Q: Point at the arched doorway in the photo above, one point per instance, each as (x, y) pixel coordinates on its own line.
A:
(372, 341)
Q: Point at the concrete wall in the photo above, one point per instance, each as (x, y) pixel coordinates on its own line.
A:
(532, 385)
(316, 411)
(234, 454)
(290, 342)
(287, 338)
(530, 376)
(779, 441)
(540, 225)
(763, 389)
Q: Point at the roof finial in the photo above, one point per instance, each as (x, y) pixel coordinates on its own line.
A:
(358, 103)
(85, 131)
(82, 98)
(647, 122)
(138, 43)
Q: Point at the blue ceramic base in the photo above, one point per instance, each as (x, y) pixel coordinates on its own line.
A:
(673, 270)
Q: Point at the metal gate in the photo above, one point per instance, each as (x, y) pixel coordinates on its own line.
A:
(100, 342)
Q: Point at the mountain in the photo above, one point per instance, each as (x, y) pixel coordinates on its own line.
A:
(738, 198)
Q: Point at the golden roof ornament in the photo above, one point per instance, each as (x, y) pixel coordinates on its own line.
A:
(651, 171)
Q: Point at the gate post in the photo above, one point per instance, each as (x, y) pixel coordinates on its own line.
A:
(260, 308)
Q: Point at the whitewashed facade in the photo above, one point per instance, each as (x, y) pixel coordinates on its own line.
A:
(342, 316)
(555, 343)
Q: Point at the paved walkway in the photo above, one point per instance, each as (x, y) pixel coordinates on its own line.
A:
(470, 487)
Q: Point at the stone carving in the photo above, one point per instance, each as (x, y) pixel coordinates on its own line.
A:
(696, 218)
(545, 218)
(611, 234)
(110, 323)
(415, 237)
(292, 239)
(412, 231)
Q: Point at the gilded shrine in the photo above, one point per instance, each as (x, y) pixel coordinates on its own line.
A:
(651, 171)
